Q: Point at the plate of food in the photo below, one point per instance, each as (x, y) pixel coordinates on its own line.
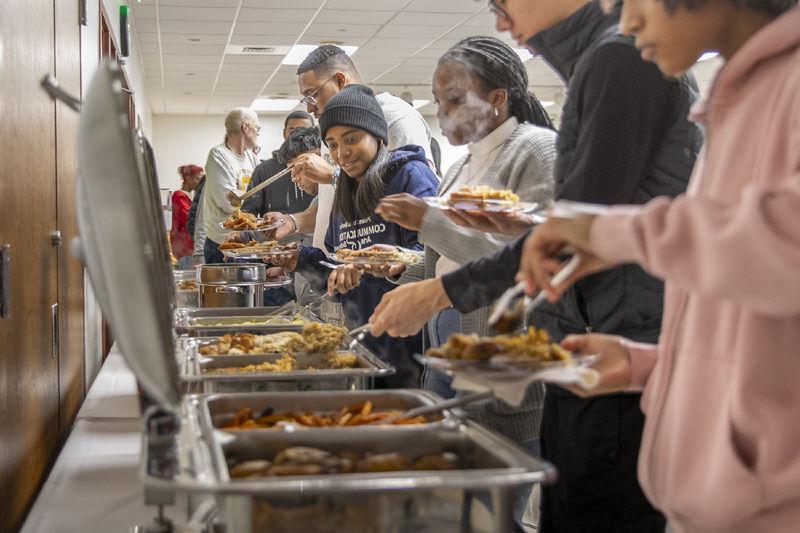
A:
(531, 351)
(379, 255)
(258, 250)
(483, 198)
(240, 221)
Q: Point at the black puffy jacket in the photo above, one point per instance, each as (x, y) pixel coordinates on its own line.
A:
(624, 139)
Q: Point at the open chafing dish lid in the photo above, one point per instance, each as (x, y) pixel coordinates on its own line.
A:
(123, 236)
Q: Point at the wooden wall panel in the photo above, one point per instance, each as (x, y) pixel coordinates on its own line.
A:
(72, 361)
(29, 412)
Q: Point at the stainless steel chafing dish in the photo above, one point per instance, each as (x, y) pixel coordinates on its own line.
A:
(489, 468)
(186, 298)
(219, 321)
(193, 372)
(126, 254)
(218, 409)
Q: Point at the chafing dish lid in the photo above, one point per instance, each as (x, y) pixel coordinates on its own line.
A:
(123, 238)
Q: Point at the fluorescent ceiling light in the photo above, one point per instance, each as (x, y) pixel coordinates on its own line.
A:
(523, 54)
(708, 55)
(299, 52)
(274, 104)
(421, 103)
(546, 103)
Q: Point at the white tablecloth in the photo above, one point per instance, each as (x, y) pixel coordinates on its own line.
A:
(95, 484)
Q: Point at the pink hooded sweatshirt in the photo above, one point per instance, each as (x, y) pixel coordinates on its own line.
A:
(721, 445)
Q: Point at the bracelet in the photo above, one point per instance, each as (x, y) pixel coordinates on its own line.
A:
(294, 223)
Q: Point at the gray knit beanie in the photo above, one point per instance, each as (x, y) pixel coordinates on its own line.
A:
(355, 106)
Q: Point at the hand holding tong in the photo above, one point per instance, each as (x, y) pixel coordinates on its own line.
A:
(236, 201)
(506, 318)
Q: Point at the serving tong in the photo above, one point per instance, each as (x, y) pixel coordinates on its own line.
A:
(236, 201)
(508, 314)
(437, 407)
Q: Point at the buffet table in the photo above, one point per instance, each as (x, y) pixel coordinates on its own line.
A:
(95, 484)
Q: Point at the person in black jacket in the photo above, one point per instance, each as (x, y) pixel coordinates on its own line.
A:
(192, 218)
(624, 139)
(283, 196)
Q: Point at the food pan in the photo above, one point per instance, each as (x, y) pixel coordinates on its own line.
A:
(218, 321)
(217, 410)
(359, 378)
(490, 467)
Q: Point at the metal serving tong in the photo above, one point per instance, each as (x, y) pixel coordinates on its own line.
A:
(358, 334)
(236, 201)
(509, 314)
(437, 407)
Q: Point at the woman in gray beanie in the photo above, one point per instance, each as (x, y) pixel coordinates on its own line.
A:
(354, 129)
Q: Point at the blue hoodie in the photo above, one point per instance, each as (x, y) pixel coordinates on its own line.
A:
(408, 173)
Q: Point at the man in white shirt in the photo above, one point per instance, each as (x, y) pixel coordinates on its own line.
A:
(228, 168)
(326, 71)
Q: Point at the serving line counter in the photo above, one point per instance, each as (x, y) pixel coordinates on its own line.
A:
(96, 483)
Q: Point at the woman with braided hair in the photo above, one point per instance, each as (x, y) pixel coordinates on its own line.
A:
(481, 89)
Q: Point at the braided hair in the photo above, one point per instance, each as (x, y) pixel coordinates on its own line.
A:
(498, 66)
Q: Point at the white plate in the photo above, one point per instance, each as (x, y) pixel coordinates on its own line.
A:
(495, 206)
(278, 223)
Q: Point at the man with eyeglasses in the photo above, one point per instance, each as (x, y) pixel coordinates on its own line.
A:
(229, 167)
(326, 71)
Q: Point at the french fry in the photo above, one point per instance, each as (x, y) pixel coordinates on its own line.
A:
(345, 419)
(367, 409)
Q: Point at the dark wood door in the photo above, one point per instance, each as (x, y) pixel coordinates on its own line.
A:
(29, 398)
(72, 361)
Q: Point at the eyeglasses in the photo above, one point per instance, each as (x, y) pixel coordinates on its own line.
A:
(495, 9)
(311, 99)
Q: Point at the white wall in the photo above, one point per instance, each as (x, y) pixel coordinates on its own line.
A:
(181, 139)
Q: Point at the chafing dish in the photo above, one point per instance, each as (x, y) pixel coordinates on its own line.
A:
(219, 409)
(194, 366)
(489, 466)
(219, 321)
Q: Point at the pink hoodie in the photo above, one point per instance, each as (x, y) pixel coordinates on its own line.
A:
(721, 444)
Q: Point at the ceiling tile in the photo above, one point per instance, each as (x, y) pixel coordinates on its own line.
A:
(266, 29)
(372, 5)
(249, 14)
(191, 14)
(336, 31)
(334, 16)
(396, 31)
(445, 6)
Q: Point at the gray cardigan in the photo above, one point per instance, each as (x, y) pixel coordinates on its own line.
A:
(525, 166)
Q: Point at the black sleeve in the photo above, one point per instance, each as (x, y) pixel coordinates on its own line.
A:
(624, 107)
(308, 266)
(481, 282)
(256, 204)
(192, 218)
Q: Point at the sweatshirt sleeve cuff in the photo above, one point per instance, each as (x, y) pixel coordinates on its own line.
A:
(611, 234)
(643, 359)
